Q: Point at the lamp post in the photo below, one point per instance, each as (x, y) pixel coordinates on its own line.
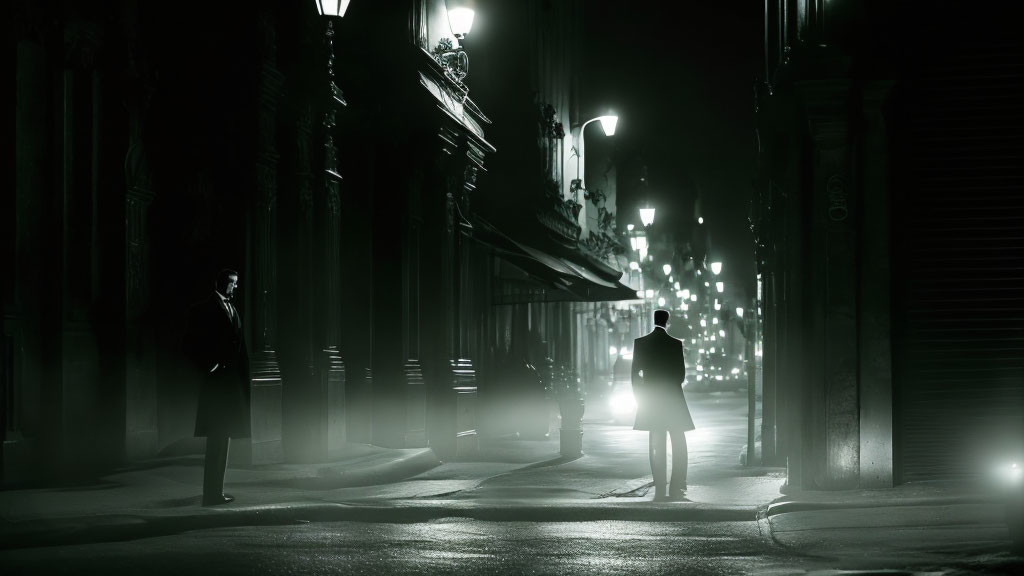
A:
(324, 256)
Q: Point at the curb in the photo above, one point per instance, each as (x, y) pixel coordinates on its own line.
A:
(334, 475)
(113, 528)
(805, 506)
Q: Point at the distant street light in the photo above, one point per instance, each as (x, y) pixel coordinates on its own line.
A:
(720, 286)
(661, 301)
(700, 220)
(667, 269)
(739, 311)
(647, 216)
(716, 268)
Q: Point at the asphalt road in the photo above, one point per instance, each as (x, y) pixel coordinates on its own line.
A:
(450, 546)
(460, 546)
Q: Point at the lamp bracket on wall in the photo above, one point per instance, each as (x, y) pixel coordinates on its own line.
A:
(454, 61)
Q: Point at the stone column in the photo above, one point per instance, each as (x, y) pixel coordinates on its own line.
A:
(831, 350)
(266, 386)
(876, 392)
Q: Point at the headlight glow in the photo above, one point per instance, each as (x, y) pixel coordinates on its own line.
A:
(622, 402)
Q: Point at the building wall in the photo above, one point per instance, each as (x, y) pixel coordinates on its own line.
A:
(843, 392)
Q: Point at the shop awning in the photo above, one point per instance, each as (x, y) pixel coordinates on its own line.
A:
(540, 276)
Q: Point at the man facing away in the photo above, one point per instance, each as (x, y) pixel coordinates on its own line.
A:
(218, 349)
(658, 372)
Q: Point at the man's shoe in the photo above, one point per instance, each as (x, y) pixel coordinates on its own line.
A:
(217, 500)
(677, 495)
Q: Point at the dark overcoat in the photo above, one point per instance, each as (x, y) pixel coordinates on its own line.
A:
(214, 339)
(660, 404)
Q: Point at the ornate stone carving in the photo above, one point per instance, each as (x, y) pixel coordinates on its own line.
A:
(550, 126)
(82, 40)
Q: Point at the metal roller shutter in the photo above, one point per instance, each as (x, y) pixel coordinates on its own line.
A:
(959, 253)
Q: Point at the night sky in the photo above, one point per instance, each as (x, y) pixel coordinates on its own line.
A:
(681, 78)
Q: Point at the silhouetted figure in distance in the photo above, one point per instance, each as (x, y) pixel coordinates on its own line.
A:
(218, 349)
(658, 372)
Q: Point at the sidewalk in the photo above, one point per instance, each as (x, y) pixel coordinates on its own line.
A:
(511, 479)
(940, 524)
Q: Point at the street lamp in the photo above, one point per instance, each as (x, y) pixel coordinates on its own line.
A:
(460, 17)
(332, 7)
(647, 216)
(608, 123)
(667, 268)
(716, 268)
(455, 61)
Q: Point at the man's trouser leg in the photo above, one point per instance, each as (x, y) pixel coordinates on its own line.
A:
(215, 466)
(659, 460)
(680, 460)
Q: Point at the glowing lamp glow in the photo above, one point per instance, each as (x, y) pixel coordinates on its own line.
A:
(739, 312)
(693, 297)
(667, 268)
(661, 301)
(460, 17)
(613, 350)
(629, 227)
(634, 266)
(677, 288)
(622, 402)
(647, 216)
(639, 293)
(686, 294)
(332, 7)
(700, 220)
(608, 123)
(720, 286)
(650, 293)
(716, 268)
(641, 244)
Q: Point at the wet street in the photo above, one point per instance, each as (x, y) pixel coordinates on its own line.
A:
(450, 546)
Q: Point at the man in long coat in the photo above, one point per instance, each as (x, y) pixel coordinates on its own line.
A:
(218, 349)
(658, 372)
